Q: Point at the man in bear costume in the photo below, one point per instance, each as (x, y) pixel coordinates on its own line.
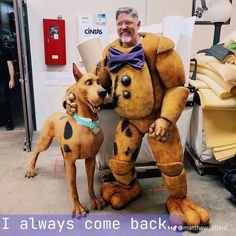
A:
(146, 78)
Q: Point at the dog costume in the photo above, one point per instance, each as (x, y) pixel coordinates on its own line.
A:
(79, 137)
(146, 84)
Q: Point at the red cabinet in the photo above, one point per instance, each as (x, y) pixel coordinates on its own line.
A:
(54, 41)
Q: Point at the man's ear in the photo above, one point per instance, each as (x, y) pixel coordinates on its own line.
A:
(77, 73)
(139, 24)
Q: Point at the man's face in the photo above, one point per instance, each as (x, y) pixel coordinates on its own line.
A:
(127, 29)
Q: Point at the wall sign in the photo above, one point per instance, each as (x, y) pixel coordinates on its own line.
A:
(87, 32)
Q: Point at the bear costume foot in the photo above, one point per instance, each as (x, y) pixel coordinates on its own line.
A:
(119, 196)
(192, 214)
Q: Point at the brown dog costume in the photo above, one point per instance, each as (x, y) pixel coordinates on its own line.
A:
(76, 139)
(144, 98)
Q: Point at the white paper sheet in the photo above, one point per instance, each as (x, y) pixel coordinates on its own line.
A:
(53, 78)
(67, 78)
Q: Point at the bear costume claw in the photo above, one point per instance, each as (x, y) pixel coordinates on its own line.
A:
(118, 196)
(192, 214)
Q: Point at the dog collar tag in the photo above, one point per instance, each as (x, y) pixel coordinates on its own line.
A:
(94, 126)
(96, 130)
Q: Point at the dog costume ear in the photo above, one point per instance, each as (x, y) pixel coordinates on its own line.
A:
(77, 73)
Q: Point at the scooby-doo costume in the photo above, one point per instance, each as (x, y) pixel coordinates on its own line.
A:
(146, 84)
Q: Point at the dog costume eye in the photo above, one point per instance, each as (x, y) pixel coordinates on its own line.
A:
(89, 82)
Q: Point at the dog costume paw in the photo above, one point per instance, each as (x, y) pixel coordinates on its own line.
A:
(191, 214)
(118, 196)
(79, 210)
(97, 203)
(30, 173)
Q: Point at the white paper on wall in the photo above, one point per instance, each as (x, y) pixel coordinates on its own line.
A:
(54, 78)
(85, 20)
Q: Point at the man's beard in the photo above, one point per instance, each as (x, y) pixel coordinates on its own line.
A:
(126, 39)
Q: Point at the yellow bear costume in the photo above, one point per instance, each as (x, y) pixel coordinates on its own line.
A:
(140, 97)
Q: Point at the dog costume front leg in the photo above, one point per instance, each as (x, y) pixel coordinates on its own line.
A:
(96, 203)
(169, 157)
(45, 139)
(78, 209)
(126, 148)
(31, 169)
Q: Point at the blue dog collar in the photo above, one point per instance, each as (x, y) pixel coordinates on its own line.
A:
(90, 124)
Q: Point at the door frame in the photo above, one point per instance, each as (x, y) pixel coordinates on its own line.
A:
(25, 69)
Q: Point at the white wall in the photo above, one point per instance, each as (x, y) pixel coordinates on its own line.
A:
(49, 98)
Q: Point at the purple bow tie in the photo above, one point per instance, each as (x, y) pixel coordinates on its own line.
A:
(134, 58)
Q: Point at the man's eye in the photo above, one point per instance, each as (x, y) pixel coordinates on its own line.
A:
(89, 82)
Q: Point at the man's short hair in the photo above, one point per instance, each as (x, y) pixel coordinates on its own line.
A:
(128, 10)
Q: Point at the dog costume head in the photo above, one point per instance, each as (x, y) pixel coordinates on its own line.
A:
(88, 89)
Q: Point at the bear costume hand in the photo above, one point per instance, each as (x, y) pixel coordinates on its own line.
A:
(69, 104)
(160, 129)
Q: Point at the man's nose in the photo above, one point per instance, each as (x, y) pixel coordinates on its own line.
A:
(123, 26)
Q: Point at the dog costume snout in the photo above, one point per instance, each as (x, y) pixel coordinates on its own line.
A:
(102, 93)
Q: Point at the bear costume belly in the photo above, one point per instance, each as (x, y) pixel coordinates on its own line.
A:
(132, 92)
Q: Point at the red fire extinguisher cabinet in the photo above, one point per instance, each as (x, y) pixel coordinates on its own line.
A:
(54, 41)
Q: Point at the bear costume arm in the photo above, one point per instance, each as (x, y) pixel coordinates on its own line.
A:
(171, 71)
(102, 72)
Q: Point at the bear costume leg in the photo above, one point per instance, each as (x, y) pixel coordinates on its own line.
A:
(127, 144)
(169, 156)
